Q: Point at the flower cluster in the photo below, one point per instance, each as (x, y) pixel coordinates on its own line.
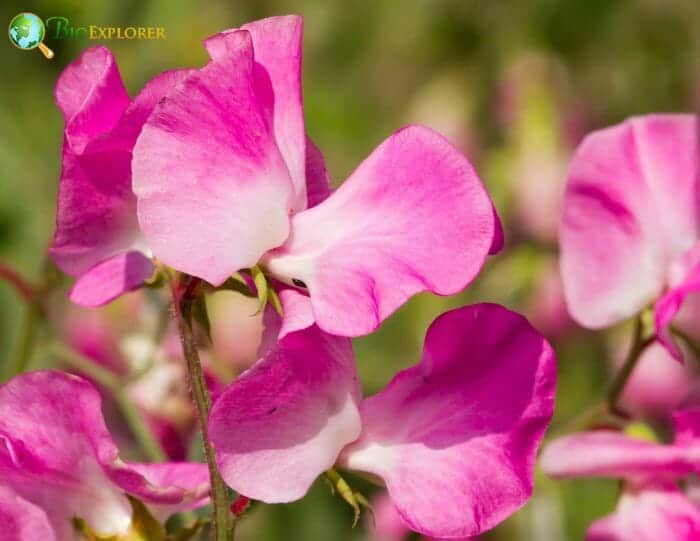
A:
(207, 181)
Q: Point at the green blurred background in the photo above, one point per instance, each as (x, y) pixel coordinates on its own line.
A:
(515, 84)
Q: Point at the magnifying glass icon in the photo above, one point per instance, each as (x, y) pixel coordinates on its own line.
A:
(27, 32)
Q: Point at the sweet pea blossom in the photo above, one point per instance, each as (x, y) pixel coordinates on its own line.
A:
(58, 462)
(97, 238)
(652, 507)
(226, 179)
(453, 438)
(629, 234)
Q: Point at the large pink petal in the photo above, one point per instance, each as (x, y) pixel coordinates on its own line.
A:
(413, 217)
(96, 214)
(284, 422)
(606, 453)
(652, 514)
(111, 278)
(277, 75)
(668, 307)
(56, 452)
(91, 95)
(630, 206)
(213, 191)
(454, 438)
(22, 520)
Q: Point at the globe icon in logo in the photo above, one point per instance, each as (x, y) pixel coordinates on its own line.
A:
(27, 32)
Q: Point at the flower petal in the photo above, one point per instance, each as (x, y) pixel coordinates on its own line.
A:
(206, 171)
(168, 488)
(654, 514)
(96, 214)
(413, 217)
(606, 453)
(91, 95)
(22, 520)
(284, 422)
(111, 278)
(630, 206)
(56, 452)
(668, 307)
(318, 180)
(454, 438)
(277, 72)
(53, 441)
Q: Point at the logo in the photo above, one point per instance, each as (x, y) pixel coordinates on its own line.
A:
(27, 32)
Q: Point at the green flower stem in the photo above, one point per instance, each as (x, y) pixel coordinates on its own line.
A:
(639, 344)
(26, 339)
(183, 302)
(107, 379)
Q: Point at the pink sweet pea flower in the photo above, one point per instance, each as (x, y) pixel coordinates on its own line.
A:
(58, 461)
(97, 238)
(652, 506)
(453, 438)
(630, 228)
(225, 178)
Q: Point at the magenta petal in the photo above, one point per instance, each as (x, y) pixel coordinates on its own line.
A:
(96, 214)
(206, 171)
(631, 205)
(22, 520)
(652, 514)
(108, 280)
(91, 95)
(413, 217)
(669, 305)
(454, 438)
(168, 488)
(498, 235)
(284, 421)
(687, 426)
(606, 453)
(56, 452)
(318, 180)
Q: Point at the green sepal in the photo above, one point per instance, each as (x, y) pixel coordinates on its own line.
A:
(262, 286)
(354, 499)
(238, 284)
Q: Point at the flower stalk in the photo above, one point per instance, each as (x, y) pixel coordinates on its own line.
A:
(637, 347)
(183, 302)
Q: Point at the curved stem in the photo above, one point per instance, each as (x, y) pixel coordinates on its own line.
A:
(12, 277)
(639, 344)
(26, 339)
(183, 303)
(110, 381)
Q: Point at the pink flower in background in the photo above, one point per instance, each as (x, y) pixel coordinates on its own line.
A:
(225, 177)
(629, 232)
(58, 461)
(453, 438)
(657, 387)
(652, 507)
(97, 237)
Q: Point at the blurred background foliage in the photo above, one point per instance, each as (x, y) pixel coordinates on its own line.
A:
(515, 84)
